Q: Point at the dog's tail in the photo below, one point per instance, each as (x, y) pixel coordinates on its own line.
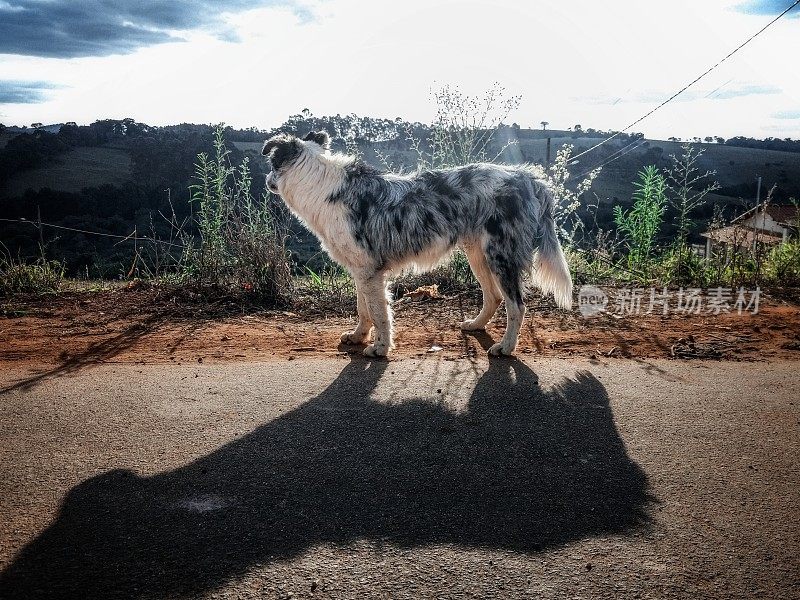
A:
(550, 269)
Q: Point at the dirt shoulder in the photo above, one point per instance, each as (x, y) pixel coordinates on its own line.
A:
(152, 325)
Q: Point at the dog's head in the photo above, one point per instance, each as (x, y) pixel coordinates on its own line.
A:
(284, 150)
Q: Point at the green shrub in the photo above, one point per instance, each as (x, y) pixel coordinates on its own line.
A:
(680, 266)
(782, 264)
(40, 277)
(242, 242)
(641, 223)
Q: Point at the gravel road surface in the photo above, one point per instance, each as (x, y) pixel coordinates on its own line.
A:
(414, 478)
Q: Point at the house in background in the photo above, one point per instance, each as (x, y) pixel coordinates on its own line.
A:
(769, 225)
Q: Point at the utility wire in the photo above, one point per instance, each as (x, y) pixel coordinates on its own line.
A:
(130, 236)
(687, 86)
(618, 154)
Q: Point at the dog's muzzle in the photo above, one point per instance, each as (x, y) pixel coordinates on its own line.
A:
(272, 183)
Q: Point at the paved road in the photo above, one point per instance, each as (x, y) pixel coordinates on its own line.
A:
(345, 478)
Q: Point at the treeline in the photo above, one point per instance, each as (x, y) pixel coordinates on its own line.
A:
(155, 197)
(162, 168)
(148, 146)
(770, 143)
(39, 147)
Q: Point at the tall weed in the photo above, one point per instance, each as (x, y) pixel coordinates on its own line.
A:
(641, 223)
(242, 240)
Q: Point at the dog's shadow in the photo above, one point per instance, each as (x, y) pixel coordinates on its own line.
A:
(521, 469)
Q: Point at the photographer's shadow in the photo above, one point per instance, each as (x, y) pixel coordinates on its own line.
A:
(520, 469)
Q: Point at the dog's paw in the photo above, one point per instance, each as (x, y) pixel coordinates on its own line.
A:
(471, 325)
(376, 350)
(499, 349)
(351, 337)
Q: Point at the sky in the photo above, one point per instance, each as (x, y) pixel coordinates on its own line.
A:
(254, 63)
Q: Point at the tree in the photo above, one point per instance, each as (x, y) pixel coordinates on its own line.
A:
(578, 128)
(544, 125)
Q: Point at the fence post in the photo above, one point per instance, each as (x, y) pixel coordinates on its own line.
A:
(39, 227)
(547, 161)
(135, 253)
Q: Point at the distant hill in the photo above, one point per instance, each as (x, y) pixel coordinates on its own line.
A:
(737, 168)
(75, 169)
(115, 175)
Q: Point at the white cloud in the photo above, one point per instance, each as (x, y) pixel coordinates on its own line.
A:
(381, 58)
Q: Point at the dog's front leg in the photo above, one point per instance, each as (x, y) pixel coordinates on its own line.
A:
(361, 333)
(377, 301)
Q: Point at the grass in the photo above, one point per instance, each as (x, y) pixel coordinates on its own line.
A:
(38, 277)
(329, 289)
(778, 266)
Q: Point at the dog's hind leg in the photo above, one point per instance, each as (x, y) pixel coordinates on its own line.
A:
(509, 276)
(491, 292)
(361, 332)
(377, 302)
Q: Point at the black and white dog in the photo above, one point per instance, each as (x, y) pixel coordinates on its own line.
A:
(374, 223)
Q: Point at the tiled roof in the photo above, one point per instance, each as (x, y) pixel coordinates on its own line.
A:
(742, 236)
(781, 214)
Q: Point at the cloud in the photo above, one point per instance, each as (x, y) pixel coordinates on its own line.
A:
(742, 89)
(786, 114)
(726, 91)
(24, 92)
(766, 7)
(70, 29)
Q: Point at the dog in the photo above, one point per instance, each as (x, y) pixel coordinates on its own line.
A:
(375, 223)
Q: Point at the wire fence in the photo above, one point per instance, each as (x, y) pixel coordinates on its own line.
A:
(133, 236)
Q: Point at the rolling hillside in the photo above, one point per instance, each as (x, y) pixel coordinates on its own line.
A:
(113, 176)
(72, 171)
(735, 167)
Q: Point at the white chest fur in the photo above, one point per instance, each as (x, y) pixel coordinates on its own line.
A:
(306, 189)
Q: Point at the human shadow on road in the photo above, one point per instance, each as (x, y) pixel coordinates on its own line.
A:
(521, 469)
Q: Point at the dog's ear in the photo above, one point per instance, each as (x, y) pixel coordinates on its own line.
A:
(269, 145)
(281, 149)
(320, 137)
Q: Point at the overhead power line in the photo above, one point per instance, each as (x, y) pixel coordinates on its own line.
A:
(635, 145)
(691, 83)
